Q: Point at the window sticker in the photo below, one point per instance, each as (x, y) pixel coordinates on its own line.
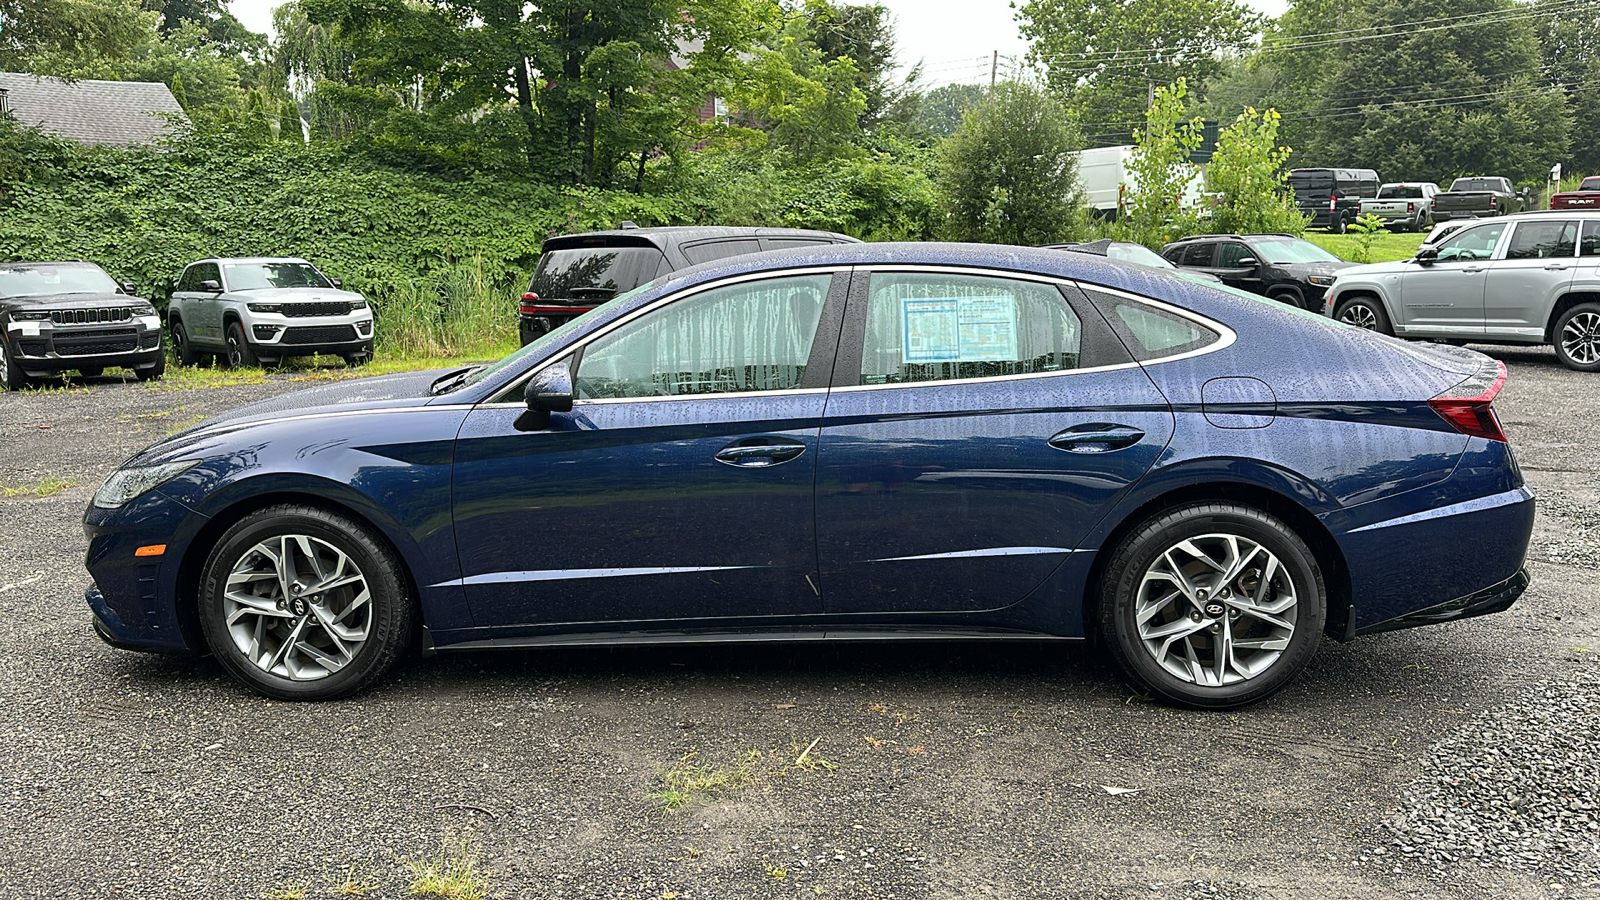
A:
(958, 329)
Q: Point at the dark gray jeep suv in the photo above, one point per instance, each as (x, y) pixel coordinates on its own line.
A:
(60, 316)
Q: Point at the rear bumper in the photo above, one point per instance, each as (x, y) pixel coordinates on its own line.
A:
(1445, 215)
(531, 325)
(1492, 599)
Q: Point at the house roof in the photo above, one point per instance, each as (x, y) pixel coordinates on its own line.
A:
(115, 113)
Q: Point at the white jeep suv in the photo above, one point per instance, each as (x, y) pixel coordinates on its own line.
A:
(260, 311)
(1529, 278)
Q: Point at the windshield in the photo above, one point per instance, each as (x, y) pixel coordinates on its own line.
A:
(1400, 192)
(33, 281)
(262, 276)
(1291, 250)
(593, 271)
(549, 338)
(1138, 255)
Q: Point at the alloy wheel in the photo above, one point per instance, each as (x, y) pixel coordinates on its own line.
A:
(297, 607)
(1216, 609)
(1580, 338)
(1360, 316)
(5, 366)
(235, 354)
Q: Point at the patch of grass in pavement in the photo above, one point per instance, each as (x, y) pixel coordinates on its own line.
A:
(353, 884)
(688, 783)
(47, 487)
(318, 368)
(451, 875)
(192, 378)
(291, 891)
(1387, 246)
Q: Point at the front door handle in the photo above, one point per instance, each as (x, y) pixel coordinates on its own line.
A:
(1472, 270)
(1555, 267)
(1096, 438)
(758, 453)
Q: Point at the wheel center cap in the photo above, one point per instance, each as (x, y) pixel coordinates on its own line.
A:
(299, 606)
(1215, 609)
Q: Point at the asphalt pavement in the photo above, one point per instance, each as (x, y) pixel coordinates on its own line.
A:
(1460, 760)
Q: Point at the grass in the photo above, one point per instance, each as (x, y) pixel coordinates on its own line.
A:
(451, 875)
(47, 487)
(687, 783)
(294, 891)
(1387, 246)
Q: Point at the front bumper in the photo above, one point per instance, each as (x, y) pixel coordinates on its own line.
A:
(275, 336)
(134, 599)
(40, 348)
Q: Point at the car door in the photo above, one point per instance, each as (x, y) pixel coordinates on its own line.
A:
(182, 300)
(1540, 259)
(680, 486)
(1231, 256)
(1446, 297)
(979, 426)
(207, 305)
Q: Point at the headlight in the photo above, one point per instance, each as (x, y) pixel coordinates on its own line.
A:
(144, 309)
(358, 303)
(31, 316)
(128, 483)
(1321, 280)
(264, 307)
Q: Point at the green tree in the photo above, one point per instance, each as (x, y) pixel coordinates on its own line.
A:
(1160, 172)
(863, 34)
(1009, 174)
(1105, 55)
(71, 38)
(1569, 41)
(1248, 174)
(940, 111)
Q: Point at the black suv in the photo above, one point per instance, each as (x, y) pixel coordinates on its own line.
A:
(578, 272)
(58, 316)
(1332, 197)
(1280, 266)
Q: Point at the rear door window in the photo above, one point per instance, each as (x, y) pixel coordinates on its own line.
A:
(707, 251)
(1589, 246)
(1198, 254)
(594, 273)
(1543, 240)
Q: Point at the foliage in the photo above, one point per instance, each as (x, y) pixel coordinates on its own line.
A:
(1010, 173)
(1159, 172)
(1366, 229)
(71, 38)
(939, 112)
(1248, 180)
(1569, 44)
(1104, 55)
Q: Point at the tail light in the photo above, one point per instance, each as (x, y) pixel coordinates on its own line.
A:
(1468, 406)
(1411, 207)
(1493, 202)
(526, 307)
(1333, 204)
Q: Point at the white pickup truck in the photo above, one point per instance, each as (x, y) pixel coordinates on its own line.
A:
(1407, 205)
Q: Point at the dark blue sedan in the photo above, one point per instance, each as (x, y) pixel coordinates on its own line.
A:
(864, 442)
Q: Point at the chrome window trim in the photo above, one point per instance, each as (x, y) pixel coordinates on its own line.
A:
(522, 380)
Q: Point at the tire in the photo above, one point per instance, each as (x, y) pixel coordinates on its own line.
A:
(254, 648)
(11, 376)
(357, 359)
(240, 353)
(182, 350)
(1577, 338)
(1338, 226)
(92, 371)
(150, 373)
(1282, 608)
(1364, 311)
(1288, 297)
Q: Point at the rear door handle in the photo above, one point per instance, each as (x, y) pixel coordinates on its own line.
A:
(1096, 438)
(760, 452)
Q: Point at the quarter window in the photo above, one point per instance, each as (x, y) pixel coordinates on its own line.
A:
(930, 327)
(1198, 254)
(1151, 332)
(1543, 240)
(1477, 242)
(745, 337)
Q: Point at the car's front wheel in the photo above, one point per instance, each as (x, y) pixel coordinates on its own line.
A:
(1212, 605)
(301, 603)
(11, 377)
(1578, 338)
(1364, 312)
(240, 353)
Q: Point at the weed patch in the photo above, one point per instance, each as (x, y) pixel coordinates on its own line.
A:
(47, 487)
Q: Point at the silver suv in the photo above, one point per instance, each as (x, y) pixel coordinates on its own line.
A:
(260, 311)
(1530, 278)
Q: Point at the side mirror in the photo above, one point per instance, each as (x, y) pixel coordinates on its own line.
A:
(1426, 256)
(211, 286)
(1248, 262)
(550, 390)
(130, 288)
(336, 282)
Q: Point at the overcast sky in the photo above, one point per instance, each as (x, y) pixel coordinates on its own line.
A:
(953, 38)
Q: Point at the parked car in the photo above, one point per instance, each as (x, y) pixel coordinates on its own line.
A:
(1587, 196)
(578, 272)
(1332, 197)
(263, 310)
(1523, 279)
(1442, 230)
(1477, 198)
(1403, 205)
(1105, 178)
(854, 442)
(1136, 254)
(1278, 266)
(63, 316)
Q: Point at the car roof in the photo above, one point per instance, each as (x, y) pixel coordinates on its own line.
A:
(667, 235)
(250, 259)
(62, 262)
(1234, 237)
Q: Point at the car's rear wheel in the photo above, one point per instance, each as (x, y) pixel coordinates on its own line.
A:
(1364, 312)
(300, 603)
(182, 350)
(11, 377)
(1212, 605)
(1577, 340)
(240, 353)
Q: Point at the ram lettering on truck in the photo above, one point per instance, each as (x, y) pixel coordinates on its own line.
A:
(1587, 196)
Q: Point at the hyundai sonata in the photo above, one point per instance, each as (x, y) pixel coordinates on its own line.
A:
(855, 443)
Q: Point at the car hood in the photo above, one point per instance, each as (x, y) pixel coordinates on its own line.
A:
(69, 301)
(294, 295)
(1370, 269)
(1302, 270)
(382, 392)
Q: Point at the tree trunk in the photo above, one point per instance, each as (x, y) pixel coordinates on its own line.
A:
(638, 181)
(525, 107)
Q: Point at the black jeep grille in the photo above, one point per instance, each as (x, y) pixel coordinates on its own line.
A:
(325, 308)
(320, 334)
(91, 316)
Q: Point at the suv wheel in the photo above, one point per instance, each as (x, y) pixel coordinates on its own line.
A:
(240, 353)
(1364, 312)
(1577, 338)
(1339, 224)
(182, 350)
(11, 377)
(152, 371)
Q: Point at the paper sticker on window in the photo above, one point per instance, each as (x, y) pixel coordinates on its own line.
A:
(959, 329)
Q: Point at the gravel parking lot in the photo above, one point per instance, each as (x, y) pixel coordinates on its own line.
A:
(1455, 761)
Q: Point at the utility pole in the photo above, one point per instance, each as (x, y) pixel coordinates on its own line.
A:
(1150, 95)
(994, 69)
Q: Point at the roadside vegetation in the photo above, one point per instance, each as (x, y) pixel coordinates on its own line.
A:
(46, 487)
